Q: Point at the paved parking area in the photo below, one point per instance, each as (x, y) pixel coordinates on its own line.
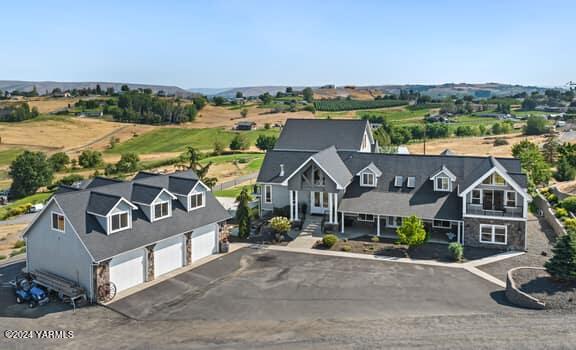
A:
(257, 284)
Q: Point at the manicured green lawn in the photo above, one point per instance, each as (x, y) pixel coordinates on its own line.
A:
(399, 116)
(176, 139)
(230, 192)
(248, 157)
(8, 155)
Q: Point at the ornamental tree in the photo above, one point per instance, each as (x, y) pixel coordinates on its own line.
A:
(412, 232)
(243, 213)
(562, 266)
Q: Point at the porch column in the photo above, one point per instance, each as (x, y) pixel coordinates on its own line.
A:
(291, 205)
(335, 203)
(378, 225)
(150, 262)
(330, 208)
(342, 224)
(296, 205)
(460, 224)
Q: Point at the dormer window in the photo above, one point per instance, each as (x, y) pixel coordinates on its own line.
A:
(196, 200)
(368, 179)
(161, 210)
(398, 181)
(442, 183)
(58, 222)
(119, 221)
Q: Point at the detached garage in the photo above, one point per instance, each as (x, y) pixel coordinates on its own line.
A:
(128, 269)
(168, 255)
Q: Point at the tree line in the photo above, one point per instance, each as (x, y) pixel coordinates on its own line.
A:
(18, 112)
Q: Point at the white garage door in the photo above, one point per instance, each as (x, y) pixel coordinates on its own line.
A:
(127, 270)
(168, 255)
(203, 245)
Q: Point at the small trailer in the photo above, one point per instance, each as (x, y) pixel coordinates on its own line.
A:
(67, 290)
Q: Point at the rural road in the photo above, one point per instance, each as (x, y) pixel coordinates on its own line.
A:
(22, 219)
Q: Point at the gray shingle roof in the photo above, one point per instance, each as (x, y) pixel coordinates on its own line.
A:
(330, 161)
(316, 135)
(386, 198)
(143, 232)
(181, 185)
(142, 193)
(101, 203)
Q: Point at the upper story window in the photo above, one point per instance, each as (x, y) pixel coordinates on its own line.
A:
(161, 210)
(318, 178)
(58, 222)
(510, 199)
(476, 197)
(494, 179)
(442, 183)
(411, 182)
(196, 200)
(119, 221)
(398, 181)
(267, 194)
(367, 179)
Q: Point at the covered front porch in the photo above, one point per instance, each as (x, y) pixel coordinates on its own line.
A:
(355, 225)
(303, 203)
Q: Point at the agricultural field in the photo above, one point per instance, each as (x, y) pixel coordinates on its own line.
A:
(172, 139)
(474, 146)
(348, 105)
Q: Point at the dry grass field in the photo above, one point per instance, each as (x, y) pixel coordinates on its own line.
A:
(9, 234)
(221, 117)
(344, 92)
(474, 146)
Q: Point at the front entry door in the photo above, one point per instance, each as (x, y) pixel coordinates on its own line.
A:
(319, 202)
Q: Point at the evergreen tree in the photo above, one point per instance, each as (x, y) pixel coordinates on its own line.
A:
(565, 171)
(562, 266)
(243, 213)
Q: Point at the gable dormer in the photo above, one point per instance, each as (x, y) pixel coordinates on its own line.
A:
(369, 175)
(155, 202)
(443, 180)
(114, 213)
(190, 192)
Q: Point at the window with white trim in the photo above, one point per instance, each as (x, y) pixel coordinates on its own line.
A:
(267, 193)
(394, 221)
(58, 223)
(510, 199)
(442, 183)
(161, 210)
(196, 200)
(367, 179)
(119, 221)
(476, 197)
(442, 224)
(411, 182)
(496, 234)
(495, 179)
(366, 217)
(398, 181)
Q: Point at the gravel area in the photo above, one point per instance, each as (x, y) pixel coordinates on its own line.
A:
(539, 284)
(540, 241)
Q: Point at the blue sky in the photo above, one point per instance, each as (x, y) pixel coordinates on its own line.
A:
(243, 43)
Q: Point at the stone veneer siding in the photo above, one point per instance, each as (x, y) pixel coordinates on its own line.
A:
(102, 273)
(150, 262)
(188, 245)
(516, 233)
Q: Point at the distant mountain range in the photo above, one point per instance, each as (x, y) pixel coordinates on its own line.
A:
(43, 86)
(439, 90)
(327, 91)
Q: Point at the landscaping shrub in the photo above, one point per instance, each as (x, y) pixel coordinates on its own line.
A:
(329, 240)
(375, 239)
(562, 266)
(561, 212)
(346, 248)
(570, 224)
(552, 198)
(280, 224)
(500, 142)
(457, 251)
(412, 232)
(545, 191)
(569, 204)
(2, 257)
(19, 244)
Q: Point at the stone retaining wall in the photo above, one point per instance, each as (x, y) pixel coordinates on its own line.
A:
(518, 297)
(549, 216)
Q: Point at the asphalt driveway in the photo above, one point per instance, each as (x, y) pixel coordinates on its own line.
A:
(259, 284)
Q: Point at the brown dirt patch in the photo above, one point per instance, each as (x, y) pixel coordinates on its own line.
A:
(9, 234)
(474, 146)
(213, 117)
